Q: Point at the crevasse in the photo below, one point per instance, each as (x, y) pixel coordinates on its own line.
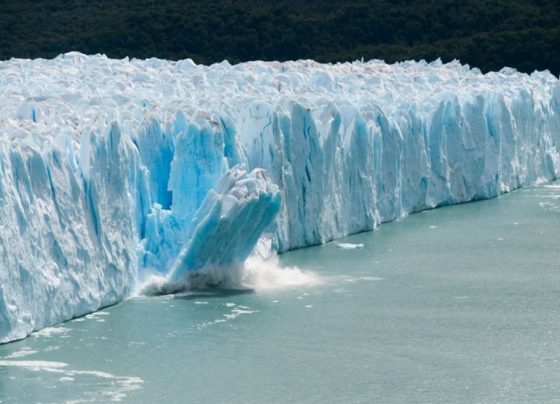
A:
(111, 170)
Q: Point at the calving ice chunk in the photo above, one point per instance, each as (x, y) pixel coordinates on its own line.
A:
(113, 172)
(229, 222)
(227, 226)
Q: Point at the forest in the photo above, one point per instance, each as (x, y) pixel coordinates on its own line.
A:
(488, 34)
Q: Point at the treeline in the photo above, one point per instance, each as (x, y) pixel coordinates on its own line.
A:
(489, 34)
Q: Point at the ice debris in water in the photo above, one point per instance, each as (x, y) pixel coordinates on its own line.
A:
(114, 171)
(350, 246)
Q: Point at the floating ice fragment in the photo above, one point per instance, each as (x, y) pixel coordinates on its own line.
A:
(349, 246)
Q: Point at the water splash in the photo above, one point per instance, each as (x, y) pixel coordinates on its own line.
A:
(256, 274)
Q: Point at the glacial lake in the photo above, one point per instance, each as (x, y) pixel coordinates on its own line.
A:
(457, 304)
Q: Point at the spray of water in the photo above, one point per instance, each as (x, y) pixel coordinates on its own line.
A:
(256, 273)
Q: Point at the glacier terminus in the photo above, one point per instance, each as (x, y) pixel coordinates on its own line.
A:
(117, 172)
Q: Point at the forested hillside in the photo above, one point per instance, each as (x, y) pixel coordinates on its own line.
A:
(488, 34)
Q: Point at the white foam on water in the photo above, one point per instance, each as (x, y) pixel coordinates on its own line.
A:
(51, 331)
(261, 275)
(96, 315)
(20, 354)
(34, 365)
(238, 312)
(119, 386)
(256, 274)
(234, 313)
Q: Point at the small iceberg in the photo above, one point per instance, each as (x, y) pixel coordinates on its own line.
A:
(350, 246)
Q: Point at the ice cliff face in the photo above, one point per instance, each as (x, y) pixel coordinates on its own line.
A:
(113, 169)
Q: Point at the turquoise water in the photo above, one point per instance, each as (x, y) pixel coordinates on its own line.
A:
(458, 304)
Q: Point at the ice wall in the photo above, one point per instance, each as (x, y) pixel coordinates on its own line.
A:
(113, 169)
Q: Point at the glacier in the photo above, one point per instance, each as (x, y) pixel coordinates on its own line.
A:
(117, 171)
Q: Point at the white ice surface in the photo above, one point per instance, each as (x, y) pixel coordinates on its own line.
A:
(105, 164)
